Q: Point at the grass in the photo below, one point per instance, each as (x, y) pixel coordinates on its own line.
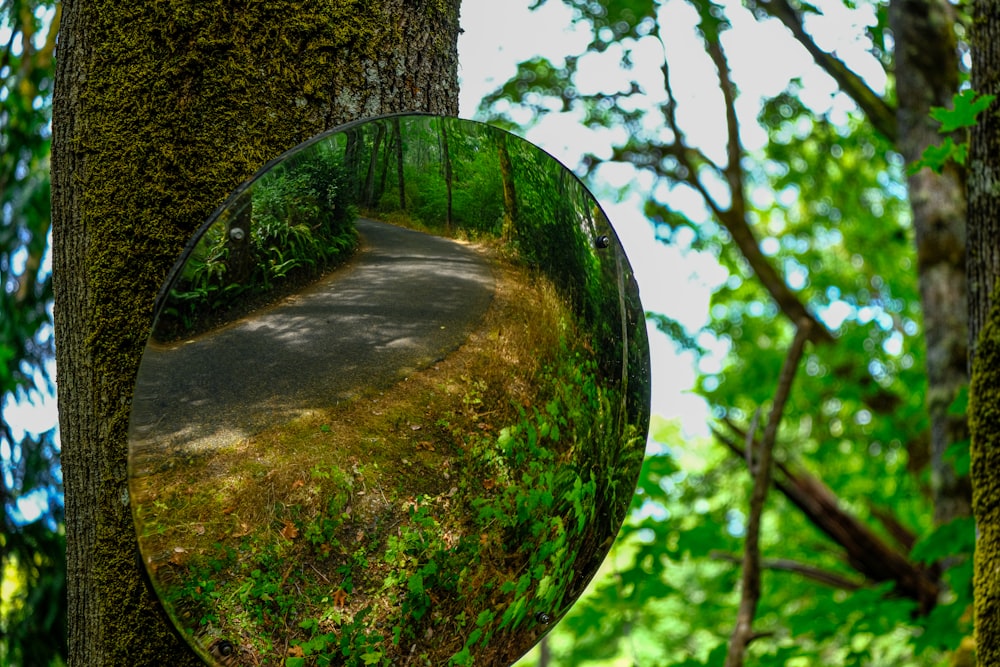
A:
(447, 520)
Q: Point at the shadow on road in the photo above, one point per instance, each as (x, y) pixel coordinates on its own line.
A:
(406, 300)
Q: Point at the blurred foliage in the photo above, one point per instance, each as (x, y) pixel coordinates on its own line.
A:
(821, 195)
(32, 611)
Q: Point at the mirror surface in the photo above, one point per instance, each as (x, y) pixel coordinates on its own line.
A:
(394, 404)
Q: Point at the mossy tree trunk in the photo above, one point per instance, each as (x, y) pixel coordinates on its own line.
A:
(984, 329)
(160, 110)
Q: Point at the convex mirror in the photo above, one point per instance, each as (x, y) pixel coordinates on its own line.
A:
(394, 404)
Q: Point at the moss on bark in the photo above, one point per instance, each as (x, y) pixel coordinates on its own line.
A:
(984, 419)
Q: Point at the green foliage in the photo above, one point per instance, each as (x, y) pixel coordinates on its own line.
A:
(32, 543)
(824, 198)
(966, 107)
(352, 567)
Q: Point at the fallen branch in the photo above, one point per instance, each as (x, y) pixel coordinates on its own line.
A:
(864, 550)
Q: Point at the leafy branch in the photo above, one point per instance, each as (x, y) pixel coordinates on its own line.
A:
(881, 114)
(735, 217)
(966, 107)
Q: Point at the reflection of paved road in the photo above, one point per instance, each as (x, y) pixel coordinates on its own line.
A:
(404, 301)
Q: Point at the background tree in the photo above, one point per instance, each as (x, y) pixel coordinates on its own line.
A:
(831, 220)
(159, 112)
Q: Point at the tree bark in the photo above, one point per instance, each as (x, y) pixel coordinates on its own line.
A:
(370, 190)
(984, 329)
(927, 72)
(160, 110)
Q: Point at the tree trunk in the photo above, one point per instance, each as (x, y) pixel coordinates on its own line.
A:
(927, 75)
(509, 193)
(160, 110)
(984, 329)
(446, 173)
(370, 196)
(400, 182)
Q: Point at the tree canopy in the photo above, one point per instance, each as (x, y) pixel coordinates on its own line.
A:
(814, 199)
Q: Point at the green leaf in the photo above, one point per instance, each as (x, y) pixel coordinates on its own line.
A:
(936, 157)
(371, 658)
(966, 107)
(416, 584)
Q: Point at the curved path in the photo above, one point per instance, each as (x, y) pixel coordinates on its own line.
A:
(404, 301)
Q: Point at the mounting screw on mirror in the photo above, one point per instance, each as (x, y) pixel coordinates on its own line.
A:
(602, 241)
(221, 649)
(236, 234)
(543, 618)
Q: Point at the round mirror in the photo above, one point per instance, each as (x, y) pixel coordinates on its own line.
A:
(394, 404)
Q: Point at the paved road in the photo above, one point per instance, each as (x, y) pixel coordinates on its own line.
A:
(404, 301)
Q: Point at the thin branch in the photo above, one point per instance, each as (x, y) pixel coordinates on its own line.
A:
(751, 434)
(689, 158)
(750, 594)
(879, 112)
(734, 147)
(807, 571)
(734, 218)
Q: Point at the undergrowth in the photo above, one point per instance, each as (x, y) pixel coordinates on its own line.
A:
(446, 521)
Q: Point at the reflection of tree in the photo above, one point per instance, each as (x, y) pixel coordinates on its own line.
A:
(370, 192)
(397, 134)
(446, 173)
(289, 226)
(354, 143)
(471, 179)
(239, 251)
(509, 192)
